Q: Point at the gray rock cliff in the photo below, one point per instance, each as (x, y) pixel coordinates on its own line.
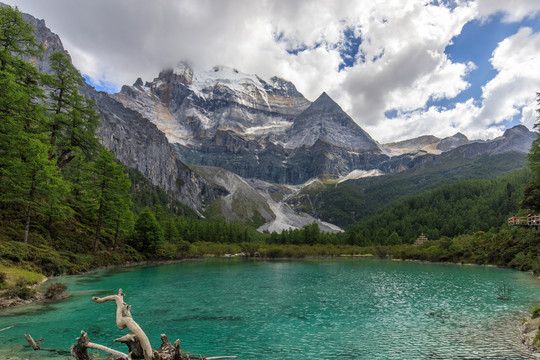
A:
(133, 139)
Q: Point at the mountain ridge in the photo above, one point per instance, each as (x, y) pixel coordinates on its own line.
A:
(180, 121)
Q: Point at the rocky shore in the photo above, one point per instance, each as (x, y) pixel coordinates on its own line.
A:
(529, 331)
(53, 293)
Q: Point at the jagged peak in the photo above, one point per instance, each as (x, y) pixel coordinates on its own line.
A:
(518, 129)
(324, 103)
(459, 135)
(138, 82)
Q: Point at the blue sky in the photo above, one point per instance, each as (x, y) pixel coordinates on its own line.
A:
(400, 68)
(476, 42)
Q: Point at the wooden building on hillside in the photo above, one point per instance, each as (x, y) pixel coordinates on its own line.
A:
(529, 220)
(421, 239)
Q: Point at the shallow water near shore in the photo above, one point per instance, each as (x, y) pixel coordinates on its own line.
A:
(309, 309)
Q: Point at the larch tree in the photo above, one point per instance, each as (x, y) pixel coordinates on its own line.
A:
(531, 195)
(73, 120)
(148, 234)
(109, 196)
(29, 182)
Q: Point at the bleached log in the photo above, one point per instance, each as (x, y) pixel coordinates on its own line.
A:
(31, 342)
(107, 350)
(80, 352)
(9, 327)
(124, 319)
(133, 344)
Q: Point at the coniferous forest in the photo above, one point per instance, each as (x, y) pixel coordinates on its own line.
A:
(67, 205)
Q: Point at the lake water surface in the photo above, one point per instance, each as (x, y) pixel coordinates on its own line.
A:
(310, 309)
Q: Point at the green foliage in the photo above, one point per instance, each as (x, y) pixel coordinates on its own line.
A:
(20, 290)
(535, 312)
(148, 235)
(73, 120)
(145, 195)
(108, 195)
(57, 184)
(531, 195)
(517, 248)
(534, 153)
(352, 201)
(55, 290)
(450, 210)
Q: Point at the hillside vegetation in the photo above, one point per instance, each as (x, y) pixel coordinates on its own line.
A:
(356, 200)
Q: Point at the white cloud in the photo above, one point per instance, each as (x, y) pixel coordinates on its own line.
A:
(513, 11)
(517, 61)
(413, 67)
(400, 64)
(512, 92)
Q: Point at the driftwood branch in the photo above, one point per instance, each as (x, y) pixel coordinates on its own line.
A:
(80, 350)
(9, 327)
(133, 344)
(137, 342)
(31, 342)
(107, 350)
(124, 319)
(36, 345)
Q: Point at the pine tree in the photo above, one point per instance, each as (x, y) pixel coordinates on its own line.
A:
(30, 186)
(147, 233)
(73, 118)
(108, 195)
(534, 153)
(531, 196)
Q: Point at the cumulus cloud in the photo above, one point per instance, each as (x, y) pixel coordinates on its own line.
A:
(511, 93)
(512, 11)
(371, 57)
(517, 62)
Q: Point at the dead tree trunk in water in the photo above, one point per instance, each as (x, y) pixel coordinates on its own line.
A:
(138, 343)
(80, 350)
(124, 319)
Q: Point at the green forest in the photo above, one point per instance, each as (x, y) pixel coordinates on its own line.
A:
(67, 205)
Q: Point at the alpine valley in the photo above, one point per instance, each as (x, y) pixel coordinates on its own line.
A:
(236, 146)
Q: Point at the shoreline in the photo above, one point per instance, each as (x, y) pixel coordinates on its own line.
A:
(527, 327)
(39, 296)
(528, 332)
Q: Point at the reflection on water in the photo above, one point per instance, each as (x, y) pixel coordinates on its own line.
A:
(324, 309)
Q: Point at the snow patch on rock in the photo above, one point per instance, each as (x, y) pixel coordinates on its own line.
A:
(358, 174)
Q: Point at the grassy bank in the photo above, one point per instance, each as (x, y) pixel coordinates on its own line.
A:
(22, 264)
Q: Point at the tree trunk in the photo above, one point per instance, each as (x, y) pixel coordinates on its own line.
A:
(56, 125)
(29, 209)
(133, 344)
(124, 319)
(137, 342)
(31, 342)
(100, 216)
(116, 233)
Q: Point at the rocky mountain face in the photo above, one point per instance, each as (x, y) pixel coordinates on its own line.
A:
(241, 147)
(253, 127)
(133, 139)
(427, 143)
(50, 41)
(137, 143)
(266, 129)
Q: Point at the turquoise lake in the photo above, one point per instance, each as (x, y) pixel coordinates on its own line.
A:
(353, 308)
